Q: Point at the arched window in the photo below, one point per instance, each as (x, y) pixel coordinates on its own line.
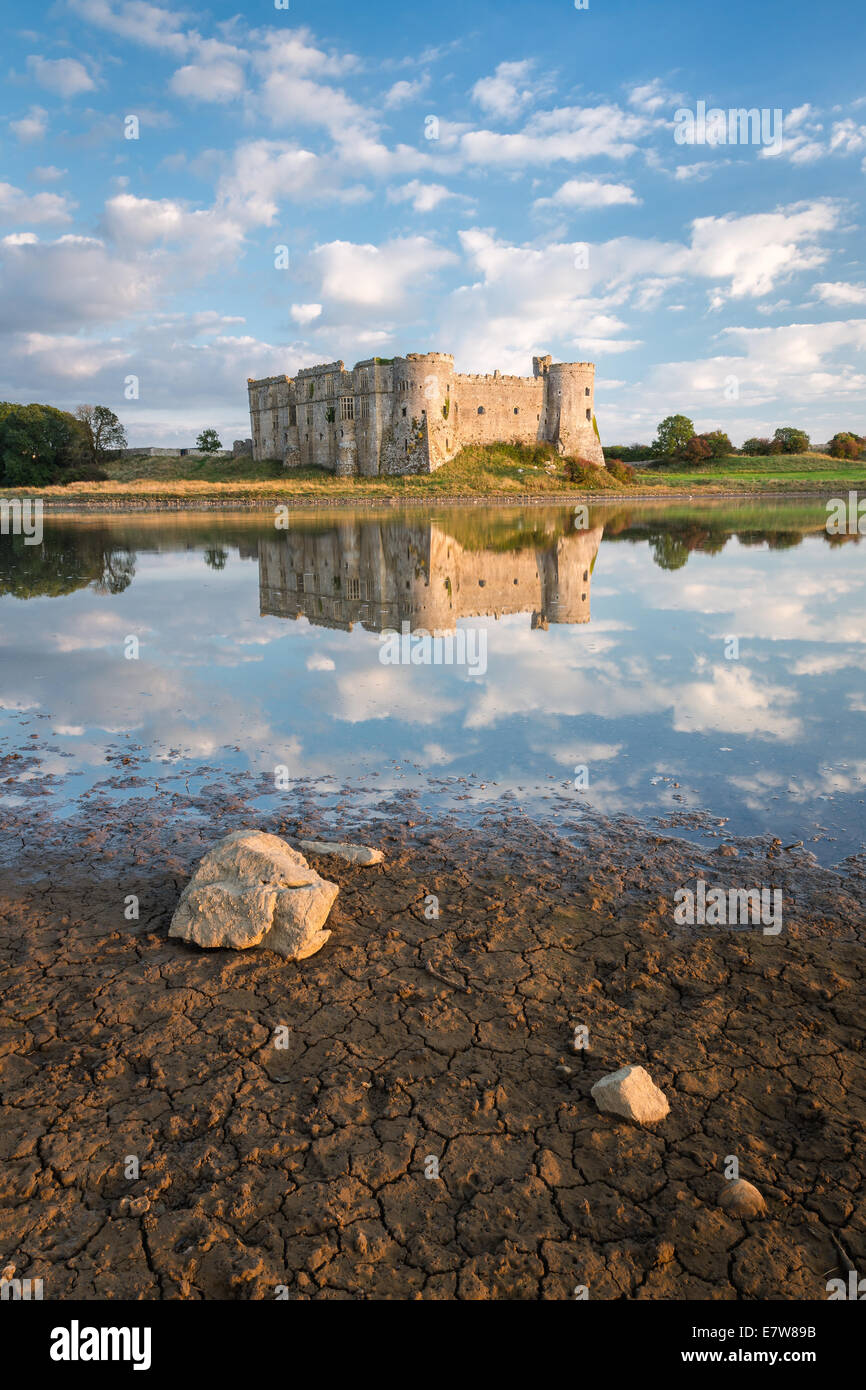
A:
(481, 410)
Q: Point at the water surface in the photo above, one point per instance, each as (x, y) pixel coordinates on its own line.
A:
(699, 667)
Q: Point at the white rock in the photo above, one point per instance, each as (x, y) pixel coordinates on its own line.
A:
(253, 889)
(353, 854)
(632, 1093)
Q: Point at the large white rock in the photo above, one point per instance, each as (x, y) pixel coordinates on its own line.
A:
(253, 889)
(632, 1093)
(353, 854)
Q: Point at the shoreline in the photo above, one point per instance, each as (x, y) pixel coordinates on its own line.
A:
(300, 502)
(308, 1166)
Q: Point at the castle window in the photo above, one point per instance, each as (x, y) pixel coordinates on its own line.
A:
(353, 588)
(481, 410)
(586, 576)
(293, 414)
(517, 410)
(589, 416)
(365, 407)
(404, 411)
(586, 392)
(347, 407)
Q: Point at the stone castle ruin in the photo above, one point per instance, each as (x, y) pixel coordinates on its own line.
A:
(412, 414)
(385, 574)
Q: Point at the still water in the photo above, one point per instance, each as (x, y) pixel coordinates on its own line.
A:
(691, 666)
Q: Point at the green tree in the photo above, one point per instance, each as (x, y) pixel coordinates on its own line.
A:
(208, 442)
(845, 445)
(756, 447)
(104, 431)
(672, 436)
(720, 445)
(39, 444)
(793, 441)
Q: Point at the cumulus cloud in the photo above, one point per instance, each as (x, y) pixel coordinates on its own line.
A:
(589, 193)
(66, 76)
(368, 276)
(32, 126)
(508, 91)
(424, 197)
(403, 92)
(17, 206)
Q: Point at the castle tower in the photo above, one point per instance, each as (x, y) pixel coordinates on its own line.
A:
(423, 399)
(569, 405)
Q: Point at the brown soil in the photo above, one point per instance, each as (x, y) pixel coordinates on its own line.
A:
(411, 1038)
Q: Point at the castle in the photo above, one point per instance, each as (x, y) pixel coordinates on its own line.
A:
(412, 414)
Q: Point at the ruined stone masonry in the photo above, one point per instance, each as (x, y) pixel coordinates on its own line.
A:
(412, 414)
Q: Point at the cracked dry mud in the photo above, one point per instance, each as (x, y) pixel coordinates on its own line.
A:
(305, 1167)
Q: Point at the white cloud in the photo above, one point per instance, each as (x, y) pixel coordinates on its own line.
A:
(48, 173)
(306, 313)
(403, 92)
(653, 96)
(17, 206)
(150, 25)
(589, 193)
(572, 133)
(508, 91)
(215, 81)
(371, 276)
(32, 126)
(424, 197)
(66, 76)
(838, 292)
(753, 253)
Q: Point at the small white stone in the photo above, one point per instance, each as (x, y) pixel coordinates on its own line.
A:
(632, 1093)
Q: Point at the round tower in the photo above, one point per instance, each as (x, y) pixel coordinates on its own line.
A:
(569, 410)
(424, 408)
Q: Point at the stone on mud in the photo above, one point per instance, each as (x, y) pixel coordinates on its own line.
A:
(632, 1093)
(741, 1198)
(253, 889)
(353, 854)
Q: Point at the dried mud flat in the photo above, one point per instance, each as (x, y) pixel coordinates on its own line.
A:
(410, 1038)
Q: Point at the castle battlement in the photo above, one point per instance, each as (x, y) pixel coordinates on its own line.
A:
(412, 414)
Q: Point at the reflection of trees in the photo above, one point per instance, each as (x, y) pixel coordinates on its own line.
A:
(669, 551)
(216, 557)
(66, 560)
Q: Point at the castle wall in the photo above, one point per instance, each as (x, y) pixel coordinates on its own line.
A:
(499, 409)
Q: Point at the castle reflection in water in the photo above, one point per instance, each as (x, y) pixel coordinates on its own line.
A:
(384, 574)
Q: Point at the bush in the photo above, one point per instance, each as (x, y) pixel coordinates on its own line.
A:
(583, 472)
(623, 472)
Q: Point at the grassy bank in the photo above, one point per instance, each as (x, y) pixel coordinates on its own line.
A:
(492, 471)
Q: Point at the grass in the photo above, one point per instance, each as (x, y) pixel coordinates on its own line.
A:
(478, 471)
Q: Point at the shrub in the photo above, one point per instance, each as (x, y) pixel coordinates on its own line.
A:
(623, 472)
(583, 472)
(698, 449)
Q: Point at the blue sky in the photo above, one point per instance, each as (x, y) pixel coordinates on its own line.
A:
(553, 211)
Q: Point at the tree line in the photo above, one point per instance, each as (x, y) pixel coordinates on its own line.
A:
(676, 438)
(41, 446)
